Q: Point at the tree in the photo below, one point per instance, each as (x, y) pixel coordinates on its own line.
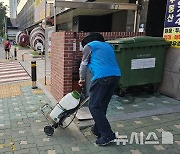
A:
(2, 16)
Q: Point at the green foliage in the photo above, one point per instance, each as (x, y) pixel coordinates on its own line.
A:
(2, 15)
(21, 47)
(35, 53)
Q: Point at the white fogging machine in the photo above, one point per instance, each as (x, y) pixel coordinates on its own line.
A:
(66, 107)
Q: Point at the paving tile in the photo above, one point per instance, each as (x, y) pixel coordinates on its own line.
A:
(75, 149)
(1, 125)
(21, 132)
(120, 125)
(23, 151)
(58, 148)
(20, 123)
(28, 146)
(51, 151)
(159, 147)
(127, 148)
(87, 133)
(138, 122)
(68, 151)
(8, 152)
(177, 142)
(34, 151)
(23, 142)
(45, 148)
(135, 151)
(155, 118)
(46, 139)
(177, 126)
(148, 149)
(160, 130)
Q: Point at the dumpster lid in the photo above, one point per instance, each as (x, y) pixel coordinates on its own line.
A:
(138, 39)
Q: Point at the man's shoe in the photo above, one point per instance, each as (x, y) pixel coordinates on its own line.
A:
(102, 141)
(97, 134)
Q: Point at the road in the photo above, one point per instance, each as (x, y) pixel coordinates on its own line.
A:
(11, 70)
(1, 52)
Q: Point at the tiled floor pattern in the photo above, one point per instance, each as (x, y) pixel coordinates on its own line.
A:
(12, 89)
(135, 105)
(21, 130)
(155, 125)
(139, 102)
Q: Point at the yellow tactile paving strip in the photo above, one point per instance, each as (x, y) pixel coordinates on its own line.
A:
(10, 145)
(37, 91)
(12, 89)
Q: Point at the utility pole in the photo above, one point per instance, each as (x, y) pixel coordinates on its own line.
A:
(55, 15)
(137, 15)
(45, 61)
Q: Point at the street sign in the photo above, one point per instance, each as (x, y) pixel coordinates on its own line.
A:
(172, 23)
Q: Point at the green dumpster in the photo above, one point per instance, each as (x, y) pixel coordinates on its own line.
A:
(141, 60)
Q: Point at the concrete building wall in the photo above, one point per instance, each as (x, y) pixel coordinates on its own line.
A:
(143, 17)
(13, 8)
(25, 16)
(20, 5)
(171, 79)
(119, 21)
(12, 33)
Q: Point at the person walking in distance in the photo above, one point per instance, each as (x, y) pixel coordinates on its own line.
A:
(99, 57)
(7, 47)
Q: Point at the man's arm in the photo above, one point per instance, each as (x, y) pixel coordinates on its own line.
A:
(84, 64)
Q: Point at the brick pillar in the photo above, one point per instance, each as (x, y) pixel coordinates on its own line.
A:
(61, 64)
(68, 62)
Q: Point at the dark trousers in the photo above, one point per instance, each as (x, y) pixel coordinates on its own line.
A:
(101, 91)
(7, 53)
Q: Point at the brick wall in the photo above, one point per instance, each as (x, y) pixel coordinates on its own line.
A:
(66, 57)
(57, 64)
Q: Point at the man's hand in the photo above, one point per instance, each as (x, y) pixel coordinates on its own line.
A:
(81, 82)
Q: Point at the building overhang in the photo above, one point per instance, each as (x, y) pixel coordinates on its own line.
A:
(96, 5)
(68, 15)
(91, 8)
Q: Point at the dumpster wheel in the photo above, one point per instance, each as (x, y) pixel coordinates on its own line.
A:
(122, 92)
(152, 88)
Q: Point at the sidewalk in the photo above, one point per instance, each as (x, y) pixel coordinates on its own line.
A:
(22, 123)
(21, 129)
(25, 58)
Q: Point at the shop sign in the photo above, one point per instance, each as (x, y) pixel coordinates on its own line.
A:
(172, 23)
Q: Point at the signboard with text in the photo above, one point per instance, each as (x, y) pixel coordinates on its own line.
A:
(172, 23)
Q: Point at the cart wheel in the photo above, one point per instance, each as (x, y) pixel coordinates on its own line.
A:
(49, 130)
